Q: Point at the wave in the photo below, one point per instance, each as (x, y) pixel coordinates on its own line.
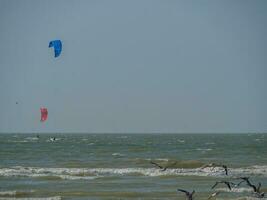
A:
(8, 193)
(32, 138)
(118, 154)
(15, 193)
(171, 162)
(236, 190)
(32, 198)
(210, 143)
(123, 137)
(252, 170)
(93, 173)
(18, 141)
(203, 149)
(62, 173)
(24, 140)
(250, 195)
(53, 139)
(242, 198)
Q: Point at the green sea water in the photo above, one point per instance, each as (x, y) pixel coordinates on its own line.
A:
(118, 166)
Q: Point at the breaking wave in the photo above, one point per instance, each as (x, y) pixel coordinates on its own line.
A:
(118, 154)
(15, 193)
(31, 198)
(171, 162)
(236, 190)
(241, 198)
(93, 173)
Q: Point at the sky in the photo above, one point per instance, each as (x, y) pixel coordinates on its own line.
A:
(144, 66)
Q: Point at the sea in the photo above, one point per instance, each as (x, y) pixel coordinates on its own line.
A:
(124, 166)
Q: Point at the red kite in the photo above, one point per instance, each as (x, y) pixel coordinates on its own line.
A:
(44, 114)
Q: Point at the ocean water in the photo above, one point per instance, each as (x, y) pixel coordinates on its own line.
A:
(117, 166)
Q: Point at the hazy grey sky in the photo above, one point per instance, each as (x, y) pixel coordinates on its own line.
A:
(134, 66)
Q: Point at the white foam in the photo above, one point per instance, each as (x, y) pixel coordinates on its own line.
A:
(118, 154)
(162, 159)
(33, 198)
(202, 149)
(252, 170)
(63, 173)
(210, 143)
(234, 189)
(240, 198)
(156, 159)
(18, 141)
(31, 138)
(8, 193)
(68, 177)
(251, 198)
(92, 173)
(53, 140)
(14, 192)
(123, 137)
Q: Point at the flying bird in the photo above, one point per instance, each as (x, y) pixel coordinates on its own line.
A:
(255, 188)
(189, 195)
(229, 184)
(161, 167)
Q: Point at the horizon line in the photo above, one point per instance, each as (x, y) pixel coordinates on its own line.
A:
(56, 132)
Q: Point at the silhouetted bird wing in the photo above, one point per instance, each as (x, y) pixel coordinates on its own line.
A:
(245, 178)
(156, 164)
(240, 182)
(172, 164)
(168, 166)
(184, 191)
(215, 185)
(228, 185)
(213, 194)
(164, 169)
(259, 186)
(254, 187)
(249, 183)
(225, 169)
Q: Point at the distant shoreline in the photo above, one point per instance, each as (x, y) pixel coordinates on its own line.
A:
(135, 133)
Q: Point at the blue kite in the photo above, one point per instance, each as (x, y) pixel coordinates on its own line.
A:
(57, 46)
